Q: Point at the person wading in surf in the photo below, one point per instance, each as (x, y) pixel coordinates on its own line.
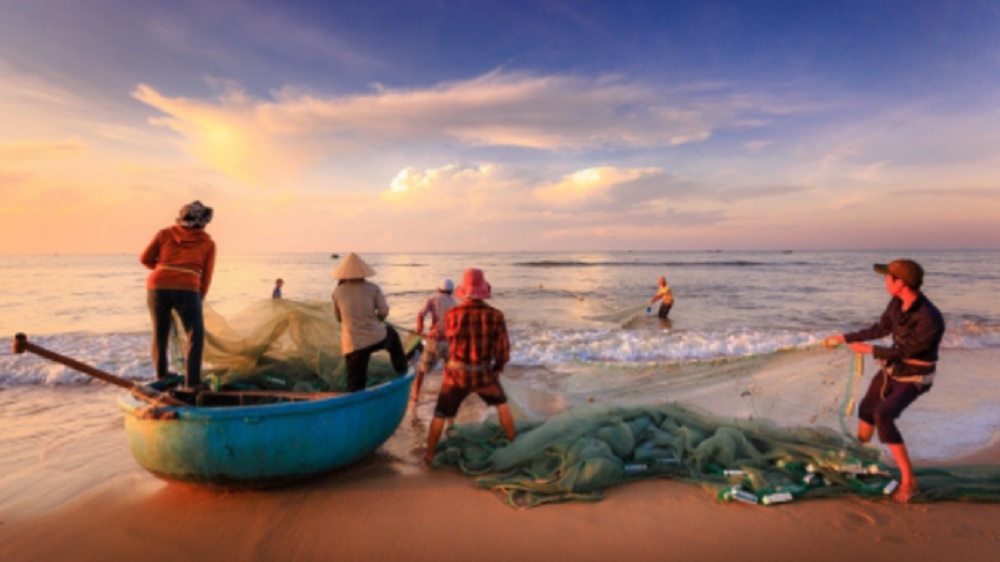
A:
(665, 296)
(908, 365)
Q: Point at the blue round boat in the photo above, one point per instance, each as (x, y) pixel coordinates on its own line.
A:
(263, 445)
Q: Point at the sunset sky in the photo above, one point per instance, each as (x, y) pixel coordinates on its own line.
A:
(507, 125)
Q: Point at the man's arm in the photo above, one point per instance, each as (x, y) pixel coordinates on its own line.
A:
(420, 316)
(208, 270)
(381, 306)
(878, 330)
(501, 350)
(151, 254)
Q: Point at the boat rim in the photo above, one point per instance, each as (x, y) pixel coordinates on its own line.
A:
(130, 404)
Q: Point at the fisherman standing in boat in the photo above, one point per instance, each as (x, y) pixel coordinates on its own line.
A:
(360, 307)
(478, 350)
(182, 258)
(436, 349)
(908, 365)
(665, 296)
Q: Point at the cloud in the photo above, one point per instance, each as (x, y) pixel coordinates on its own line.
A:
(757, 145)
(484, 192)
(962, 192)
(262, 141)
(589, 186)
(488, 206)
(40, 150)
(229, 136)
(508, 109)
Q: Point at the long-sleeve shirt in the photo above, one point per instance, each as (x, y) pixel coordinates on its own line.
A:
(478, 346)
(436, 306)
(916, 333)
(181, 259)
(360, 307)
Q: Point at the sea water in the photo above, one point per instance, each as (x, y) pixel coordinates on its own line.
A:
(731, 309)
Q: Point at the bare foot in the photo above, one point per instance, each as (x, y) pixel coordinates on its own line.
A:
(904, 494)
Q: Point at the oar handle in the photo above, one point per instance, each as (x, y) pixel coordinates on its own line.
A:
(21, 344)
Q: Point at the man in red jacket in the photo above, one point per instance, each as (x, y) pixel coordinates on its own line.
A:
(182, 258)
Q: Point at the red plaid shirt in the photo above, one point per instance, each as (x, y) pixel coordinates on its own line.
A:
(478, 346)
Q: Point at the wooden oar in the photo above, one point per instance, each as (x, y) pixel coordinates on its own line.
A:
(21, 344)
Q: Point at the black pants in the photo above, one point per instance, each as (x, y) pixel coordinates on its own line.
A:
(161, 303)
(357, 360)
(664, 310)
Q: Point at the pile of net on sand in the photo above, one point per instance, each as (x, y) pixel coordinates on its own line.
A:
(582, 451)
(281, 344)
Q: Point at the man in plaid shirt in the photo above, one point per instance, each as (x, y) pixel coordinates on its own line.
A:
(478, 349)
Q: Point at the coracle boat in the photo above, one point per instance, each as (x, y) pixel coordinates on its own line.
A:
(248, 439)
(262, 445)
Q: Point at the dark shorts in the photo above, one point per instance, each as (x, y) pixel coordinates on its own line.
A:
(664, 310)
(451, 397)
(884, 403)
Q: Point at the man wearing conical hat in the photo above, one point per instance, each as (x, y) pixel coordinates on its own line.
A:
(360, 307)
(478, 350)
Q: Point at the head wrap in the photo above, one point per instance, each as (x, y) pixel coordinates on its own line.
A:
(194, 215)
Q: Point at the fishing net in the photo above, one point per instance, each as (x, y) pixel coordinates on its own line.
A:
(577, 453)
(626, 315)
(281, 344)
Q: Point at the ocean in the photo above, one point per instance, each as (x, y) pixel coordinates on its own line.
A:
(742, 338)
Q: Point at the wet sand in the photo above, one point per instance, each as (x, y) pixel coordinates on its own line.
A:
(70, 490)
(378, 512)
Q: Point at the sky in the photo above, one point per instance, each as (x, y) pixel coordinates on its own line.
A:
(496, 126)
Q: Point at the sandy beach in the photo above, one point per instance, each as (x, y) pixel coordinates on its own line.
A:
(373, 512)
(81, 496)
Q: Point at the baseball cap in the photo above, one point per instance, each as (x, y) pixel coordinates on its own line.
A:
(906, 270)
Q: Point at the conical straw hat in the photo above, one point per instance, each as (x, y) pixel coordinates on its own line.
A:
(352, 267)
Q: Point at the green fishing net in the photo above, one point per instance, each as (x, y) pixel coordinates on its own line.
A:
(281, 344)
(578, 453)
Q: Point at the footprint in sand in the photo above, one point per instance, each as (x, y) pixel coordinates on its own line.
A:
(856, 520)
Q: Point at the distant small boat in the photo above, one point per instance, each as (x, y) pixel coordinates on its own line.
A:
(264, 445)
(334, 256)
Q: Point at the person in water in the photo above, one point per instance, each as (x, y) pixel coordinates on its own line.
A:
(665, 296)
(278, 284)
(908, 365)
(360, 307)
(436, 348)
(478, 350)
(182, 259)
